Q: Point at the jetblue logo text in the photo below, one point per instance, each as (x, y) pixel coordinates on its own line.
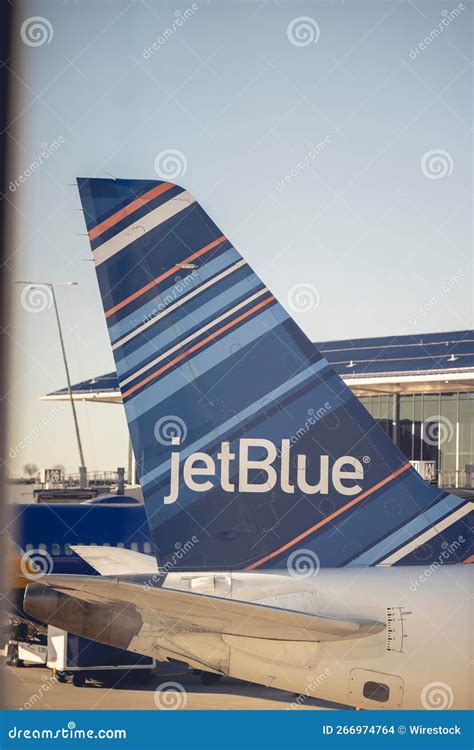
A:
(201, 472)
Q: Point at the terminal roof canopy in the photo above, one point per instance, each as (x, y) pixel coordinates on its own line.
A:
(390, 364)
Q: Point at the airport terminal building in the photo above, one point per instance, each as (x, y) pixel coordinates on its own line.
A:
(419, 388)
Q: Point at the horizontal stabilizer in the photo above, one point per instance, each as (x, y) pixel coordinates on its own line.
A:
(116, 561)
(184, 612)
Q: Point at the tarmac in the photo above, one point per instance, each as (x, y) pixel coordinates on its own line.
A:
(35, 688)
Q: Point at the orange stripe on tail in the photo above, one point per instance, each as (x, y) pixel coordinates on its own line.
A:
(328, 519)
(164, 275)
(197, 346)
(129, 209)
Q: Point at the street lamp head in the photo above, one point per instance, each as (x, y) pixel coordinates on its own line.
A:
(47, 283)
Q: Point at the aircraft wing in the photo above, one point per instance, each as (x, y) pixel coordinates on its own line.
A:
(170, 610)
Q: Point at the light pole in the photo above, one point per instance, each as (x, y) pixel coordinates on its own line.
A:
(50, 285)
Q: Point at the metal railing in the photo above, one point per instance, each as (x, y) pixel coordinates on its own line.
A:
(94, 478)
(456, 478)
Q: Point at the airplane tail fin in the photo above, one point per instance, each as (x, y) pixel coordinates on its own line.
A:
(252, 452)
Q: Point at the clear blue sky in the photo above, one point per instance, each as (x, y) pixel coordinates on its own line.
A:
(369, 221)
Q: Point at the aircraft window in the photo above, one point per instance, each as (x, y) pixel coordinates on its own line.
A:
(55, 549)
(134, 546)
(376, 691)
(106, 544)
(121, 545)
(43, 547)
(67, 550)
(147, 548)
(29, 547)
